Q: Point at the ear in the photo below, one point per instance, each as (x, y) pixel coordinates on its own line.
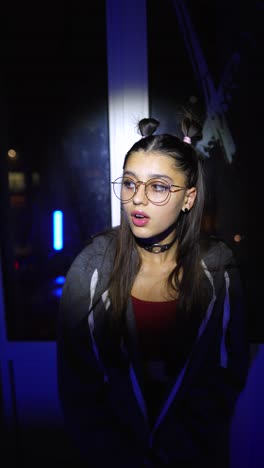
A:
(189, 199)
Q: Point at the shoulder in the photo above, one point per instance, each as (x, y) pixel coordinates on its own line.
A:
(220, 266)
(98, 255)
(100, 247)
(216, 254)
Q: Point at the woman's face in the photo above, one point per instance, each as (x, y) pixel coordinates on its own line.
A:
(145, 218)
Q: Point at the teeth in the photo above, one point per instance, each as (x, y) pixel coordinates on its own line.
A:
(139, 216)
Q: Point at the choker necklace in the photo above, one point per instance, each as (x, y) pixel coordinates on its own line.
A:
(152, 243)
(158, 248)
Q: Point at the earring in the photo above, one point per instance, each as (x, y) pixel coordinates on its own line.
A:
(185, 210)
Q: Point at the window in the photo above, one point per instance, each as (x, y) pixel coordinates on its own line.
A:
(57, 130)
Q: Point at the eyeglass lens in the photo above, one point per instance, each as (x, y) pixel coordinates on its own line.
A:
(156, 190)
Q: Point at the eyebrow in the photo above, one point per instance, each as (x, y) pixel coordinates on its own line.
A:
(151, 176)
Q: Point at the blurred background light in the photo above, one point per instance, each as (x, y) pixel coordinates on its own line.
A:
(57, 230)
(11, 153)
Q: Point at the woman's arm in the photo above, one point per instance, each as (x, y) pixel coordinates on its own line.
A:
(89, 421)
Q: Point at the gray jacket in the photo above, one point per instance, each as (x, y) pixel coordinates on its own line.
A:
(100, 383)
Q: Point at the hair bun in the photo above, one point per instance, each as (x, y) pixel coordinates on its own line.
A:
(191, 128)
(148, 126)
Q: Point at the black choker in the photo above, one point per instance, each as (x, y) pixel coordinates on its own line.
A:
(158, 248)
(151, 244)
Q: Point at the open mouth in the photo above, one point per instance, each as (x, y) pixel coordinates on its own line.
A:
(139, 219)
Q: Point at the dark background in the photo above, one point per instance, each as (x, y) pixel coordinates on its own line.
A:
(54, 94)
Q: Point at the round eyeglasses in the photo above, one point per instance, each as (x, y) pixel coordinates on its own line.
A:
(156, 190)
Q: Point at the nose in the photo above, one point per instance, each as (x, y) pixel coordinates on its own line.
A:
(140, 194)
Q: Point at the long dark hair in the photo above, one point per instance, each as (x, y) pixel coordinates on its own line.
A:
(127, 261)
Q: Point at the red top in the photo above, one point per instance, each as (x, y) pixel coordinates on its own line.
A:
(155, 323)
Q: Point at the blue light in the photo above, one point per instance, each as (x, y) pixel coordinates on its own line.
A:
(57, 230)
(57, 292)
(59, 280)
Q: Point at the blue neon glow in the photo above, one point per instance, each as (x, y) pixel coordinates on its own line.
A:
(57, 230)
(57, 292)
(59, 280)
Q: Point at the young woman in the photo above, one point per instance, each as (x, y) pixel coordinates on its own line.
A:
(152, 349)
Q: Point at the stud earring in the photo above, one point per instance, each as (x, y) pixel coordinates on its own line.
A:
(185, 210)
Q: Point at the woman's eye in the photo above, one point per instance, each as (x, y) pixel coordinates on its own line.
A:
(159, 187)
(128, 184)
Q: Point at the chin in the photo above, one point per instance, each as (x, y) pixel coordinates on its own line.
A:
(145, 235)
(140, 232)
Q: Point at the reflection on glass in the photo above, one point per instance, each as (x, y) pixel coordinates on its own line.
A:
(56, 161)
(16, 181)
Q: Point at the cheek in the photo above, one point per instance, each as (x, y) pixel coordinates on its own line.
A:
(174, 209)
(169, 214)
(174, 213)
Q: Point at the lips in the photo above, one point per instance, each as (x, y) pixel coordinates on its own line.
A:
(139, 218)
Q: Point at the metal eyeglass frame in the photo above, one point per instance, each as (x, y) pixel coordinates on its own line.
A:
(140, 182)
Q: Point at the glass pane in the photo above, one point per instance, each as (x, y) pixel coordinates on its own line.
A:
(225, 79)
(55, 156)
(172, 84)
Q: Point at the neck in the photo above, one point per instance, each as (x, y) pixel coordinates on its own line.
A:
(158, 248)
(153, 244)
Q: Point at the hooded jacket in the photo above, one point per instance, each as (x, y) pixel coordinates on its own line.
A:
(100, 383)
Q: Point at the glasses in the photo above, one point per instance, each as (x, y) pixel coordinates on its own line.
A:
(156, 190)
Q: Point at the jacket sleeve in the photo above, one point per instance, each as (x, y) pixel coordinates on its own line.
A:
(89, 421)
(197, 426)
